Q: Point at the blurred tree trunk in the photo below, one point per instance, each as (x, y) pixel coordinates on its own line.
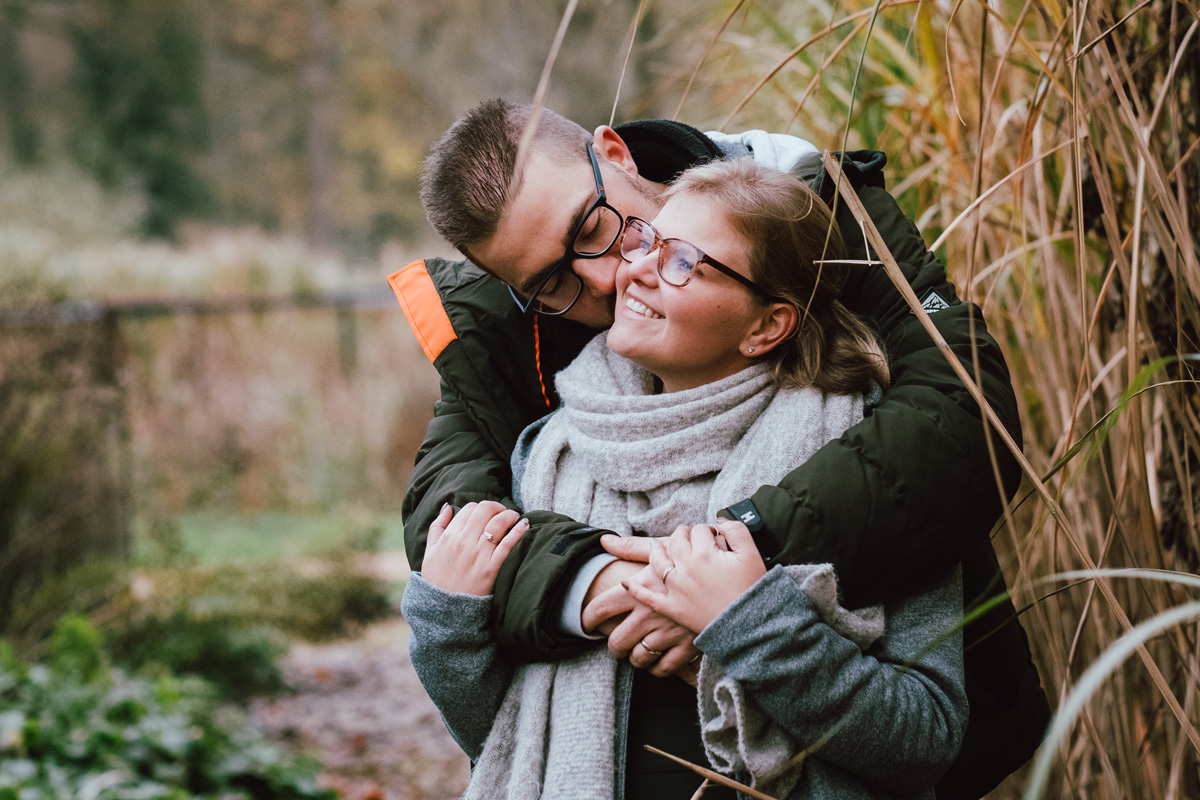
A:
(318, 80)
(14, 86)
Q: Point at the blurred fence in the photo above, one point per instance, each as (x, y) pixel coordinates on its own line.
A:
(108, 315)
(150, 405)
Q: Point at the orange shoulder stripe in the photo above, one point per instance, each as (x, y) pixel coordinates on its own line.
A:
(422, 306)
(537, 357)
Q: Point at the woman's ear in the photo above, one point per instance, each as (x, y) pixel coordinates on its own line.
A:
(609, 146)
(776, 323)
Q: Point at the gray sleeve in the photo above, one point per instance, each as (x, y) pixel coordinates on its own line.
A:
(456, 658)
(892, 716)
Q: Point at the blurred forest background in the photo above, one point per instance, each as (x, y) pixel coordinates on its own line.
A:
(205, 387)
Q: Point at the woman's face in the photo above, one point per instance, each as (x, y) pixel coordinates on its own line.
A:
(688, 335)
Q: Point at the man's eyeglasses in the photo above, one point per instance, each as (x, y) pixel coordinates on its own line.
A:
(677, 259)
(598, 228)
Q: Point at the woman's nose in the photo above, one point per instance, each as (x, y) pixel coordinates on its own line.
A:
(644, 270)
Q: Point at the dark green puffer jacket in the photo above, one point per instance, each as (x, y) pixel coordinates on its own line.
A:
(896, 501)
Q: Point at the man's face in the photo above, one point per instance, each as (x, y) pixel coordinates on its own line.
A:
(536, 229)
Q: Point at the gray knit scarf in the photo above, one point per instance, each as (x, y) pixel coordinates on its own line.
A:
(620, 457)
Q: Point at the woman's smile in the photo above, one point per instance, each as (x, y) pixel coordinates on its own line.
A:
(641, 309)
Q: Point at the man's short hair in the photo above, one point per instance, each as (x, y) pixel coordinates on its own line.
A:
(467, 178)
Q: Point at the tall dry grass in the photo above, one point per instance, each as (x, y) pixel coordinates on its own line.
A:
(1049, 152)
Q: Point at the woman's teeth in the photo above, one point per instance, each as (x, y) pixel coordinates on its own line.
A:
(639, 308)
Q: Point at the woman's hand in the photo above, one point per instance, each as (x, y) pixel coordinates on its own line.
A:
(465, 550)
(648, 639)
(697, 577)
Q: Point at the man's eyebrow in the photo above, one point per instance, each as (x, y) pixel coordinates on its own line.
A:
(568, 241)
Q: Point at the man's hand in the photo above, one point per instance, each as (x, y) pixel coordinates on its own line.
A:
(628, 548)
(606, 602)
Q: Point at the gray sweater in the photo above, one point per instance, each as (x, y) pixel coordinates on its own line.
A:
(893, 717)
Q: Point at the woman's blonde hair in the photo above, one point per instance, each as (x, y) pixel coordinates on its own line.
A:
(790, 230)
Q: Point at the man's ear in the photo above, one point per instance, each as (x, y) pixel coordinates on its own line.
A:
(609, 146)
(777, 322)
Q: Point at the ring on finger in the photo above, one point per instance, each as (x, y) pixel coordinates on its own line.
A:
(667, 572)
(650, 650)
(489, 537)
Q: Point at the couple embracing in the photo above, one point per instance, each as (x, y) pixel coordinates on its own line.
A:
(578, 486)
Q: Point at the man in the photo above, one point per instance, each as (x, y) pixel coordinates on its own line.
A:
(888, 504)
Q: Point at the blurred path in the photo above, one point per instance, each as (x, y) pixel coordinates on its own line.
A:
(359, 708)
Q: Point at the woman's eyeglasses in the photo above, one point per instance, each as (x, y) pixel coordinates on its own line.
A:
(677, 259)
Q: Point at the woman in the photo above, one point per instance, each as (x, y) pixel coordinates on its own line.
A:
(729, 363)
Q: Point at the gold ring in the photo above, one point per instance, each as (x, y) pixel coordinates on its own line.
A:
(650, 650)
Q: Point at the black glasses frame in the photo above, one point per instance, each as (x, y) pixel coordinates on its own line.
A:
(571, 254)
(660, 245)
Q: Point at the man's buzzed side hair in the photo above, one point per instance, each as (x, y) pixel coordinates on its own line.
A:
(466, 179)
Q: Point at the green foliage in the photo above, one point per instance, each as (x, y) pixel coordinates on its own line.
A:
(332, 603)
(111, 737)
(229, 624)
(241, 662)
(316, 607)
(82, 589)
(217, 538)
(77, 649)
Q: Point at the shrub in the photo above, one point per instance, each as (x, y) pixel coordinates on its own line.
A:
(62, 496)
(327, 605)
(229, 625)
(240, 662)
(75, 728)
